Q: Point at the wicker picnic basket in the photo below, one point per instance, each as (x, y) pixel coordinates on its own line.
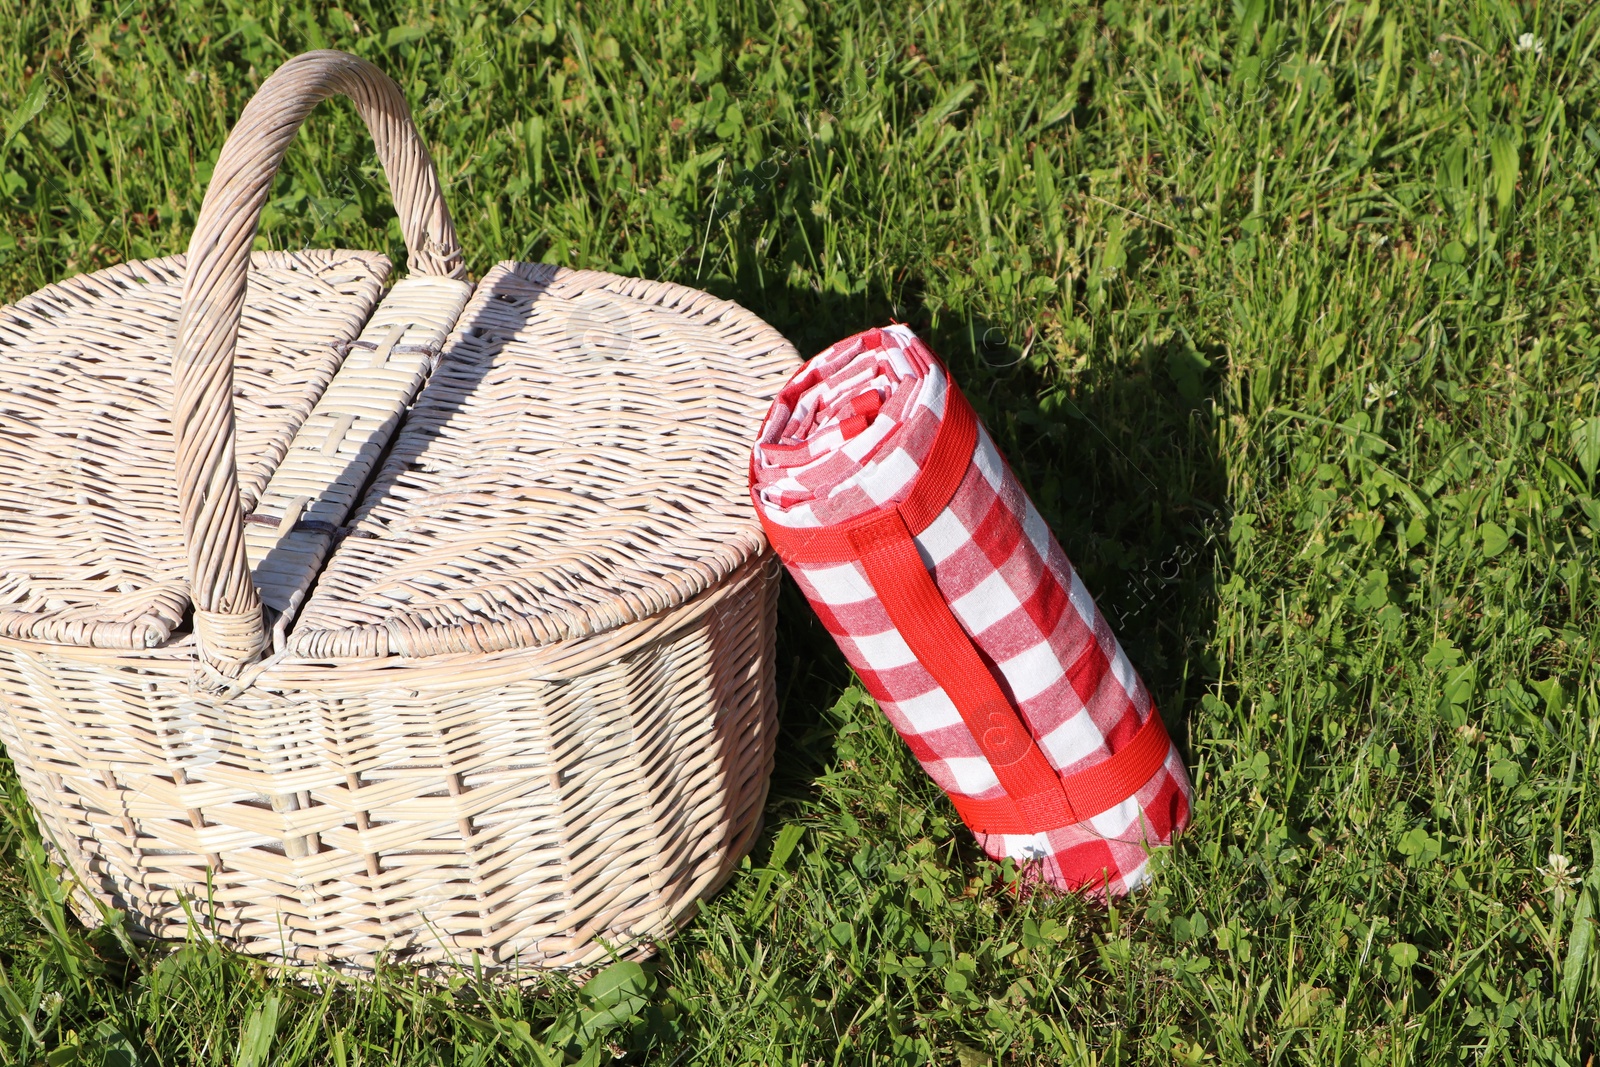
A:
(430, 624)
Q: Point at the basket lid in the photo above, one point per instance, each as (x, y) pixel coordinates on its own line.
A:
(91, 548)
(577, 461)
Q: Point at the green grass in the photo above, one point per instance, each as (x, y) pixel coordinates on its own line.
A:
(1284, 313)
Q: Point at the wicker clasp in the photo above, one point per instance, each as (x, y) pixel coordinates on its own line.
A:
(230, 642)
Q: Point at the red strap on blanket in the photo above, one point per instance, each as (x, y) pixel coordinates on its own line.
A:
(1033, 789)
(1090, 791)
(1037, 798)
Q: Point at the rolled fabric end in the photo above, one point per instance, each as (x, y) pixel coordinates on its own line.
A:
(951, 599)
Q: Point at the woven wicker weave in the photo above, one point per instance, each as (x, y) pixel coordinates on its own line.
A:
(434, 628)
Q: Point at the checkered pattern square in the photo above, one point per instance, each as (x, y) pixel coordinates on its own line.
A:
(848, 435)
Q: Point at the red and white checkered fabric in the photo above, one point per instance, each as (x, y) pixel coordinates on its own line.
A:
(862, 457)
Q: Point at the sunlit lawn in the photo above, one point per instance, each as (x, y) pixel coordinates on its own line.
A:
(1283, 313)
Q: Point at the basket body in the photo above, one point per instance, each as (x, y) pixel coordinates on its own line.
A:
(523, 808)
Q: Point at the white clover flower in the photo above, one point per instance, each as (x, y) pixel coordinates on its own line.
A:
(1378, 393)
(1560, 877)
(1529, 43)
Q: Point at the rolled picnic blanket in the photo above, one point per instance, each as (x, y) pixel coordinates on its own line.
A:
(950, 597)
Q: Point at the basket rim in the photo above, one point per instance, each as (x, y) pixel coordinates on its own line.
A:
(560, 660)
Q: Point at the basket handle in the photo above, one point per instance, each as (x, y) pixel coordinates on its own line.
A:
(228, 621)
